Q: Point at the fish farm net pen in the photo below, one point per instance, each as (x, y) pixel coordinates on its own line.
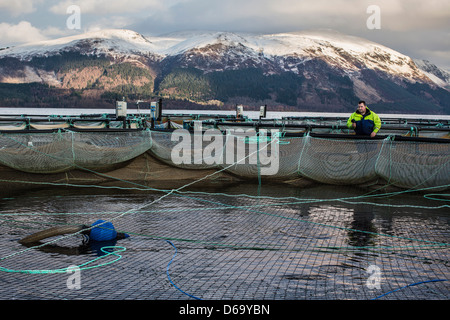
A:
(263, 247)
(254, 240)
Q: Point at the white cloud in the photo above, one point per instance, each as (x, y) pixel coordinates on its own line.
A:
(110, 22)
(19, 33)
(415, 15)
(413, 27)
(292, 15)
(54, 32)
(103, 7)
(17, 7)
(259, 15)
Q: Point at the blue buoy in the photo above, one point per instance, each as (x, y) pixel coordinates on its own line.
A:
(104, 232)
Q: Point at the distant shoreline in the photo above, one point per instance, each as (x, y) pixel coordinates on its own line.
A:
(250, 113)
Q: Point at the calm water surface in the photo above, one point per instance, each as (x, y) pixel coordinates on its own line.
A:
(234, 242)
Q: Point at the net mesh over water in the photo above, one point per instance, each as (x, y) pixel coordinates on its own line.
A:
(339, 161)
(214, 246)
(251, 241)
(405, 164)
(64, 151)
(412, 164)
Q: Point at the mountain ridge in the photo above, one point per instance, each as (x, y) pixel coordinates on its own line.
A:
(305, 70)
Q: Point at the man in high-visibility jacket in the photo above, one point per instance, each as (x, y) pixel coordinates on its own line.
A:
(364, 121)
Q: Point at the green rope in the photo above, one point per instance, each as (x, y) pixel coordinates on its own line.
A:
(84, 266)
(250, 208)
(435, 196)
(179, 192)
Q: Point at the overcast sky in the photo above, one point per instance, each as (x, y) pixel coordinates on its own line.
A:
(420, 29)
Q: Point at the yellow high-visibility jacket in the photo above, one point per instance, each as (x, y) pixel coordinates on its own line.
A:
(366, 124)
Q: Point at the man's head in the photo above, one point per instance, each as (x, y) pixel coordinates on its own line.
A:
(362, 107)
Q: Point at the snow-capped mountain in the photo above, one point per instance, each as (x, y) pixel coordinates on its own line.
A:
(110, 41)
(302, 69)
(341, 51)
(438, 75)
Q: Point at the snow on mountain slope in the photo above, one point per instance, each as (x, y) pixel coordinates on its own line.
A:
(110, 41)
(337, 47)
(225, 50)
(273, 44)
(181, 42)
(308, 69)
(345, 52)
(439, 76)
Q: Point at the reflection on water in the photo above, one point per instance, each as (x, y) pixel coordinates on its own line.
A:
(362, 214)
(86, 247)
(289, 238)
(362, 227)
